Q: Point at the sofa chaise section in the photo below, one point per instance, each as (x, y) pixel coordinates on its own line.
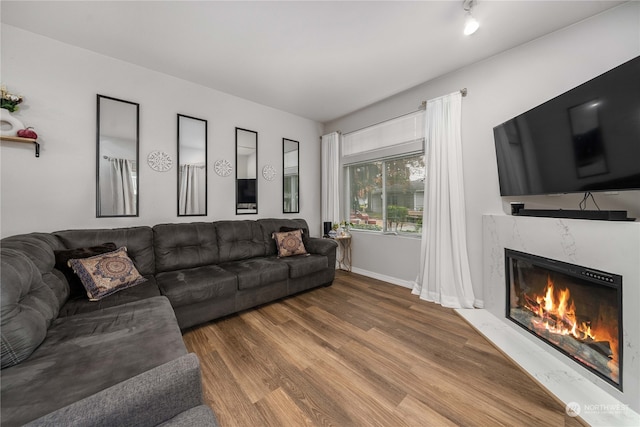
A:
(51, 360)
(168, 395)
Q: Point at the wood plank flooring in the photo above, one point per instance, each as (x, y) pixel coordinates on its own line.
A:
(362, 353)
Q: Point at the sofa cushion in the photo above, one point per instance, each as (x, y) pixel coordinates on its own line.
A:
(300, 266)
(238, 240)
(256, 272)
(87, 353)
(148, 289)
(39, 248)
(179, 246)
(106, 274)
(76, 289)
(36, 246)
(27, 307)
(192, 285)
(289, 243)
(137, 240)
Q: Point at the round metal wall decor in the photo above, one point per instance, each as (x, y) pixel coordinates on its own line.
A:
(159, 161)
(269, 172)
(223, 167)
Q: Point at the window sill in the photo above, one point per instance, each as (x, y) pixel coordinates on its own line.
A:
(387, 234)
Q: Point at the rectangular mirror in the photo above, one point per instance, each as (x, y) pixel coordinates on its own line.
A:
(117, 140)
(192, 166)
(246, 171)
(290, 176)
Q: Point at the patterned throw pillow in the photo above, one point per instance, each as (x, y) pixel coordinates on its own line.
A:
(305, 233)
(76, 288)
(106, 274)
(289, 243)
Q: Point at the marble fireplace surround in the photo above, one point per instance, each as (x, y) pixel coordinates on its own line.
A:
(603, 245)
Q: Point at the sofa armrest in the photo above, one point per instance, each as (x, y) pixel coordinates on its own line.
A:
(148, 399)
(318, 245)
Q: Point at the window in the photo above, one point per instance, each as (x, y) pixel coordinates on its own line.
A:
(384, 174)
(387, 195)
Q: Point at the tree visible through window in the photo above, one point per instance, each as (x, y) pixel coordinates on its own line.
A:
(387, 195)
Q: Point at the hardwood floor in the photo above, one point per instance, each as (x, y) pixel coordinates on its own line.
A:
(362, 353)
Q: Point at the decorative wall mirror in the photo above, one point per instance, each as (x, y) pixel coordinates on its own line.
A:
(290, 176)
(246, 171)
(117, 140)
(192, 166)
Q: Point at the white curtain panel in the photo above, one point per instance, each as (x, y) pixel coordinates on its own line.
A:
(123, 195)
(330, 201)
(192, 197)
(444, 275)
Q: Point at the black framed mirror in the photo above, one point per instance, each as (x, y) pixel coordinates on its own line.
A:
(117, 149)
(246, 171)
(290, 176)
(192, 166)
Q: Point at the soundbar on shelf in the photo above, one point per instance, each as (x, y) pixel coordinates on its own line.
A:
(518, 210)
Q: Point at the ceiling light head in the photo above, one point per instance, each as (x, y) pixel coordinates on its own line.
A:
(470, 23)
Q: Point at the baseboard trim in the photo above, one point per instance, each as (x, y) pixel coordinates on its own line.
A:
(477, 303)
(392, 280)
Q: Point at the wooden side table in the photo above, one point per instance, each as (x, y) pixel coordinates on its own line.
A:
(344, 251)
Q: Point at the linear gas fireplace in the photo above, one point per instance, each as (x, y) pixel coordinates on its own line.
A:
(575, 309)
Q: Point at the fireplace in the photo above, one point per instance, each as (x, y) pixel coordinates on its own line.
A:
(576, 310)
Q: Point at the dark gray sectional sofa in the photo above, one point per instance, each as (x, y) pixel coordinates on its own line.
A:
(122, 360)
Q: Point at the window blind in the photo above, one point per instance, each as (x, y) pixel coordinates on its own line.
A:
(391, 138)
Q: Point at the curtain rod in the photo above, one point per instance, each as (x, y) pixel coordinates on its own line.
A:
(118, 158)
(463, 92)
(423, 106)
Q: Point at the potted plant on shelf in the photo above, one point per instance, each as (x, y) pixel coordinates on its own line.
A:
(8, 101)
(9, 104)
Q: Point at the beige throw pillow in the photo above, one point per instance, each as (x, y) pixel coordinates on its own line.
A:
(106, 274)
(289, 243)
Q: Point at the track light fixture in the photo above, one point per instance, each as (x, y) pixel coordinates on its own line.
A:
(470, 23)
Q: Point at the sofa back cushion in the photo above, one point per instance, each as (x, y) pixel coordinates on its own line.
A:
(179, 246)
(239, 240)
(275, 225)
(39, 248)
(137, 240)
(27, 306)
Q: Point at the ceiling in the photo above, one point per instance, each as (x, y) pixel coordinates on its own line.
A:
(316, 59)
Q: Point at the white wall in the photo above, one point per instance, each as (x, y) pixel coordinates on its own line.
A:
(57, 191)
(500, 88)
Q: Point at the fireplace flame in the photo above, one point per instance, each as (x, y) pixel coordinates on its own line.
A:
(557, 313)
(588, 333)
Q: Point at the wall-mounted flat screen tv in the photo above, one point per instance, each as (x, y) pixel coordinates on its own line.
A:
(587, 139)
